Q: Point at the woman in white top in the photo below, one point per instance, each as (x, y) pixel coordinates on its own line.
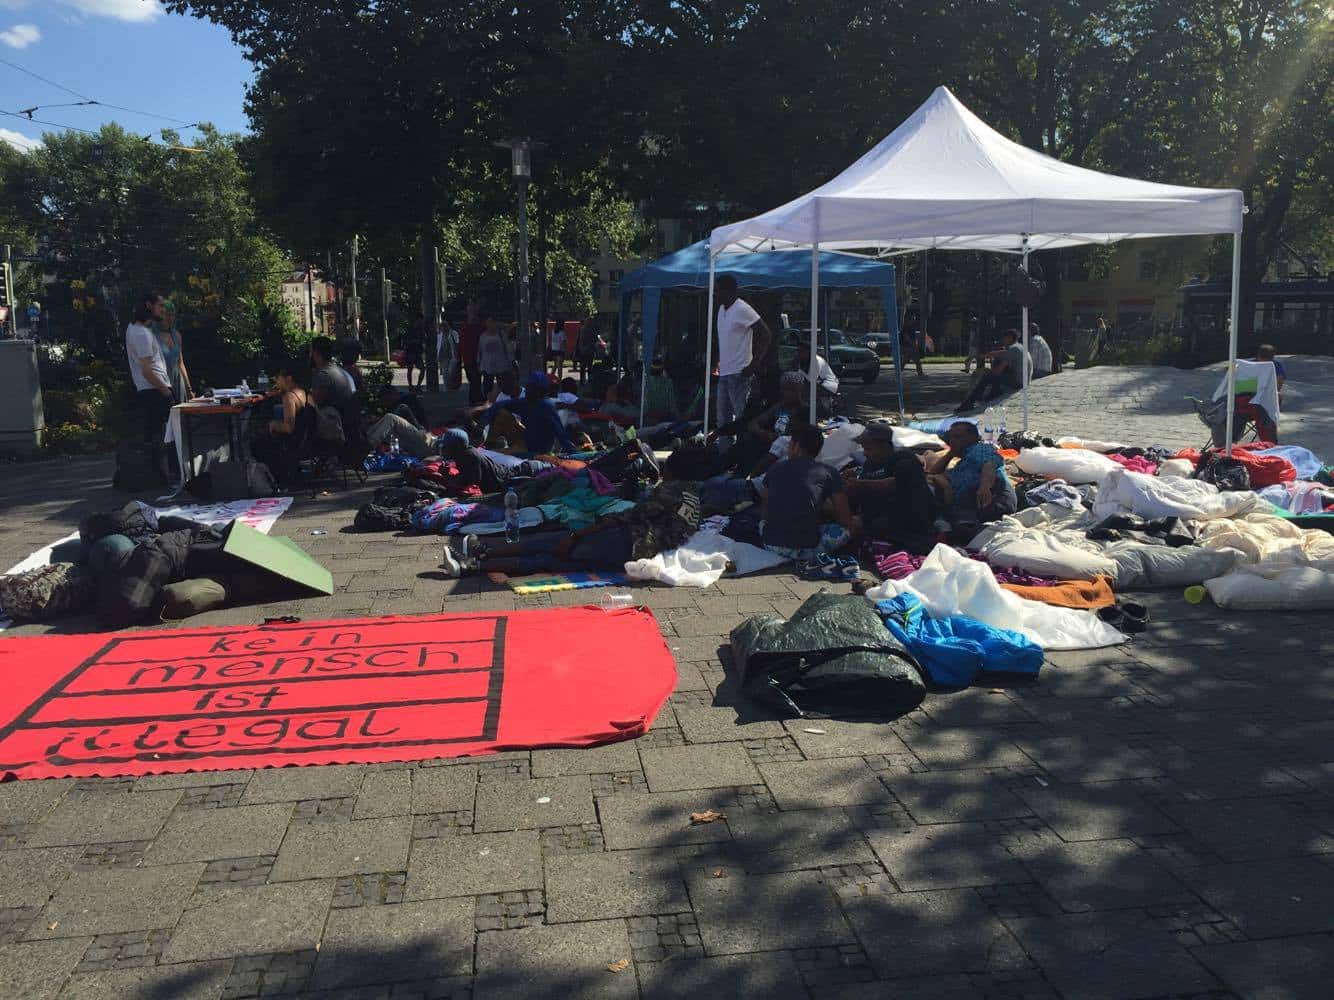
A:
(493, 354)
(148, 368)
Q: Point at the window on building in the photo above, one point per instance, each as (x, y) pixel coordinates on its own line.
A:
(614, 283)
(1148, 267)
(597, 287)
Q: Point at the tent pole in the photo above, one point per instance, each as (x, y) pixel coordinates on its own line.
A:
(815, 327)
(1232, 337)
(1024, 373)
(708, 348)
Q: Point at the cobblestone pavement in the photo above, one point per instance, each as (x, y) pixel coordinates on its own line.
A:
(1149, 821)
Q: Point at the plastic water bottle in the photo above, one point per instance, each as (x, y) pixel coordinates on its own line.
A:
(245, 386)
(1000, 424)
(988, 431)
(511, 515)
(263, 382)
(393, 446)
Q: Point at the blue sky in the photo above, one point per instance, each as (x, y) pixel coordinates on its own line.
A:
(125, 52)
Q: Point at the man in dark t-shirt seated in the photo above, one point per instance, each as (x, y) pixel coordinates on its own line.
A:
(890, 493)
(796, 491)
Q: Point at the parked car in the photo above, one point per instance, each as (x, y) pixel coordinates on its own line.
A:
(881, 343)
(847, 358)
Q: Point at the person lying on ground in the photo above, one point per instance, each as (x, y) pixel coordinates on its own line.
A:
(889, 493)
(796, 490)
(663, 521)
(970, 476)
(487, 470)
(542, 427)
(1005, 374)
(405, 403)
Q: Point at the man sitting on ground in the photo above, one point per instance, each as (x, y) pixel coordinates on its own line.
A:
(970, 475)
(890, 493)
(1005, 375)
(405, 403)
(542, 427)
(793, 522)
(1040, 351)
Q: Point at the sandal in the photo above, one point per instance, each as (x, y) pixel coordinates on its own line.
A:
(1135, 616)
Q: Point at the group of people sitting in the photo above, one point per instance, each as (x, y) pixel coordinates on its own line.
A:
(1007, 366)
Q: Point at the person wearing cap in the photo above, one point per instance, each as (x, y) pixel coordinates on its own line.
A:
(488, 471)
(890, 493)
(542, 427)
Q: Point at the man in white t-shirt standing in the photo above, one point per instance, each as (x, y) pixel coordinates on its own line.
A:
(148, 367)
(739, 356)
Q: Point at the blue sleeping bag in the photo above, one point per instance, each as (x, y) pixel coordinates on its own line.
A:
(953, 651)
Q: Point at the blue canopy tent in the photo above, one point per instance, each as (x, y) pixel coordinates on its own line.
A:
(691, 266)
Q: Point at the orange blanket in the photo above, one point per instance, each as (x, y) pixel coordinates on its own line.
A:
(1069, 593)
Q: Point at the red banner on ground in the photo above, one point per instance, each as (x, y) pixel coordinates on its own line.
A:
(336, 692)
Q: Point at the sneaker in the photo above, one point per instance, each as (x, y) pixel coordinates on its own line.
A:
(457, 561)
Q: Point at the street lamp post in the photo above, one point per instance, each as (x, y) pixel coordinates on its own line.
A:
(522, 168)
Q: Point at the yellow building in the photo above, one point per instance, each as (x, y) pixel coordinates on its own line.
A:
(1139, 293)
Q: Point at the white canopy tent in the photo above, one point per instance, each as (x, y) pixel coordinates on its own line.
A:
(945, 180)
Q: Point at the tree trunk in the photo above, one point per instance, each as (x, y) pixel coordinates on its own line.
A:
(426, 248)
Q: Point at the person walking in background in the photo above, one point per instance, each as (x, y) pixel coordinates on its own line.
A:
(148, 367)
(558, 346)
(585, 347)
(470, 332)
(972, 346)
(414, 352)
(172, 353)
(494, 356)
(447, 354)
(739, 356)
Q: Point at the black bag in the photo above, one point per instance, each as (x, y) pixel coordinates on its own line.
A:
(233, 480)
(375, 517)
(401, 496)
(137, 467)
(1227, 474)
(833, 659)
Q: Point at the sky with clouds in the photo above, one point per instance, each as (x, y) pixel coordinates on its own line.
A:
(129, 53)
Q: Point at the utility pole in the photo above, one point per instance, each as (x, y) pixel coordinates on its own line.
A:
(9, 325)
(356, 298)
(426, 271)
(384, 312)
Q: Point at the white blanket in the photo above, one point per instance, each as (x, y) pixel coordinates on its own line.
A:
(1275, 588)
(1074, 465)
(1268, 540)
(951, 584)
(1126, 492)
(701, 561)
(1265, 376)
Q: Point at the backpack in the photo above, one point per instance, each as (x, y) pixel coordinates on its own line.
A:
(329, 426)
(1228, 474)
(376, 517)
(47, 592)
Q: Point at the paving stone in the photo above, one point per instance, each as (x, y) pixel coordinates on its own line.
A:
(1096, 811)
(129, 949)
(186, 981)
(405, 941)
(744, 913)
(211, 796)
(193, 779)
(667, 936)
(953, 750)
(619, 783)
(309, 811)
(825, 969)
(959, 987)
(451, 824)
(707, 724)
(280, 974)
(578, 838)
(1110, 957)
(385, 793)
(611, 757)
(772, 975)
(555, 963)
(293, 784)
(1250, 829)
(370, 890)
(975, 707)
(353, 848)
(778, 750)
(252, 921)
(820, 738)
(27, 878)
(36, 970)
(474, 865)
(443, 789)
(933, 933)
(28, 801)
(814, 784)
(1075, 758)
(1290, 968)
(534, 803)
(1103, 875)
(788, 841)
(946, 856)
(98, 817)
(106, 901)
(126, 855)
(672, 769)
(619, 884)
(1272, 898)
(214, 834)
(507, 911)
(955, 796)
(662, 819)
